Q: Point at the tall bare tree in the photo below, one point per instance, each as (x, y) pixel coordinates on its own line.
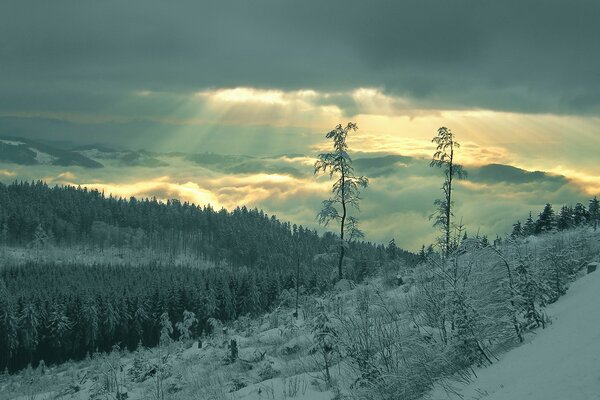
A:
(346, 188)
(443, 158)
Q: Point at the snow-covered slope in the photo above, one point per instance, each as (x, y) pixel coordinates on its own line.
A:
(561, 362)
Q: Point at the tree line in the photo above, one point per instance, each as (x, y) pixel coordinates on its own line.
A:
(568, 217)
(36, 215)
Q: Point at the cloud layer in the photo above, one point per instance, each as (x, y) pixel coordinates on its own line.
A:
(397, 204)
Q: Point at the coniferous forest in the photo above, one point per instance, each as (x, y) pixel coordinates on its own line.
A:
(246, 263)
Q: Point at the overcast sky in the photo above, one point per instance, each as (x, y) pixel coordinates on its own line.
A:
(517, 81)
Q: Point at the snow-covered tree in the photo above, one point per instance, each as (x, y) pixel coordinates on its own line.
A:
(565, 218)
(9, 325)
(185, 326)
(166, 329)
(529, 226)
(325, 340)
(41, 239)
(111, 319)
(546, 221)
(58, 325)
(140, 317)
(531, 291)
(443, 158)
(91, 322)
(346, 188)
(594, 212)
(558, 267)
(581, 216)
(29, 325)
(517, 230)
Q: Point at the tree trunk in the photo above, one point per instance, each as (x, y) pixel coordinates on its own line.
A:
(342, 223)
(449, 199)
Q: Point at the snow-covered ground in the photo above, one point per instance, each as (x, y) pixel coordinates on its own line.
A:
(275, 361)
(561, 362)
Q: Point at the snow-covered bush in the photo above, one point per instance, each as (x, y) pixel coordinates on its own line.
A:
(267, 371)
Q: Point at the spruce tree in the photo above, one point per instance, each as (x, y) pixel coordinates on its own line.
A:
(531, 290)
(392, 250)
(325, 340)
(580, 215)
(594, 212)
(517, 230)
(546, 221)
(166, 329)
(529, 226)
(185, 326)
(565, 218)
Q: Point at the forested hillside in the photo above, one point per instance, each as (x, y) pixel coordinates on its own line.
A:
(54, 310)
(34, 214)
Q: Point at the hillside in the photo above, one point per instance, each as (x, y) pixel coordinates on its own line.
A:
(69, 216)
(372, 340)
(81, 272)
(24, 151)
(557, 363)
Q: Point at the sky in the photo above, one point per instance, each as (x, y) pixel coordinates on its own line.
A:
(262, 81)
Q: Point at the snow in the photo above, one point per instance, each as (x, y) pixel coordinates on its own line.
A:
(559, 363)
(95, 153)
(41, 157)
(297, 387)
(11, 142)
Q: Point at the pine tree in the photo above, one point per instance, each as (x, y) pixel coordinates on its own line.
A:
(392, 250)
(185, 326)
(140, 317)
(166, 329)
(594, 212)
(580, 215)
(325, 340)
(422, 254)
(532, 292)
(517, 230)
(546, 221)
(91, 322)
(484, 241)
(110, 321)
(565, 218)
(465, 319)
(29, 327)
(58, 325)
(9, 327)
(529, 226)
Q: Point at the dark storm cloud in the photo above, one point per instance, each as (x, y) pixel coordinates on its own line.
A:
(532, 56)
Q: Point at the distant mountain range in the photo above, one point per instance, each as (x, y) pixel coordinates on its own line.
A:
(31, 152)
(23, 151)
